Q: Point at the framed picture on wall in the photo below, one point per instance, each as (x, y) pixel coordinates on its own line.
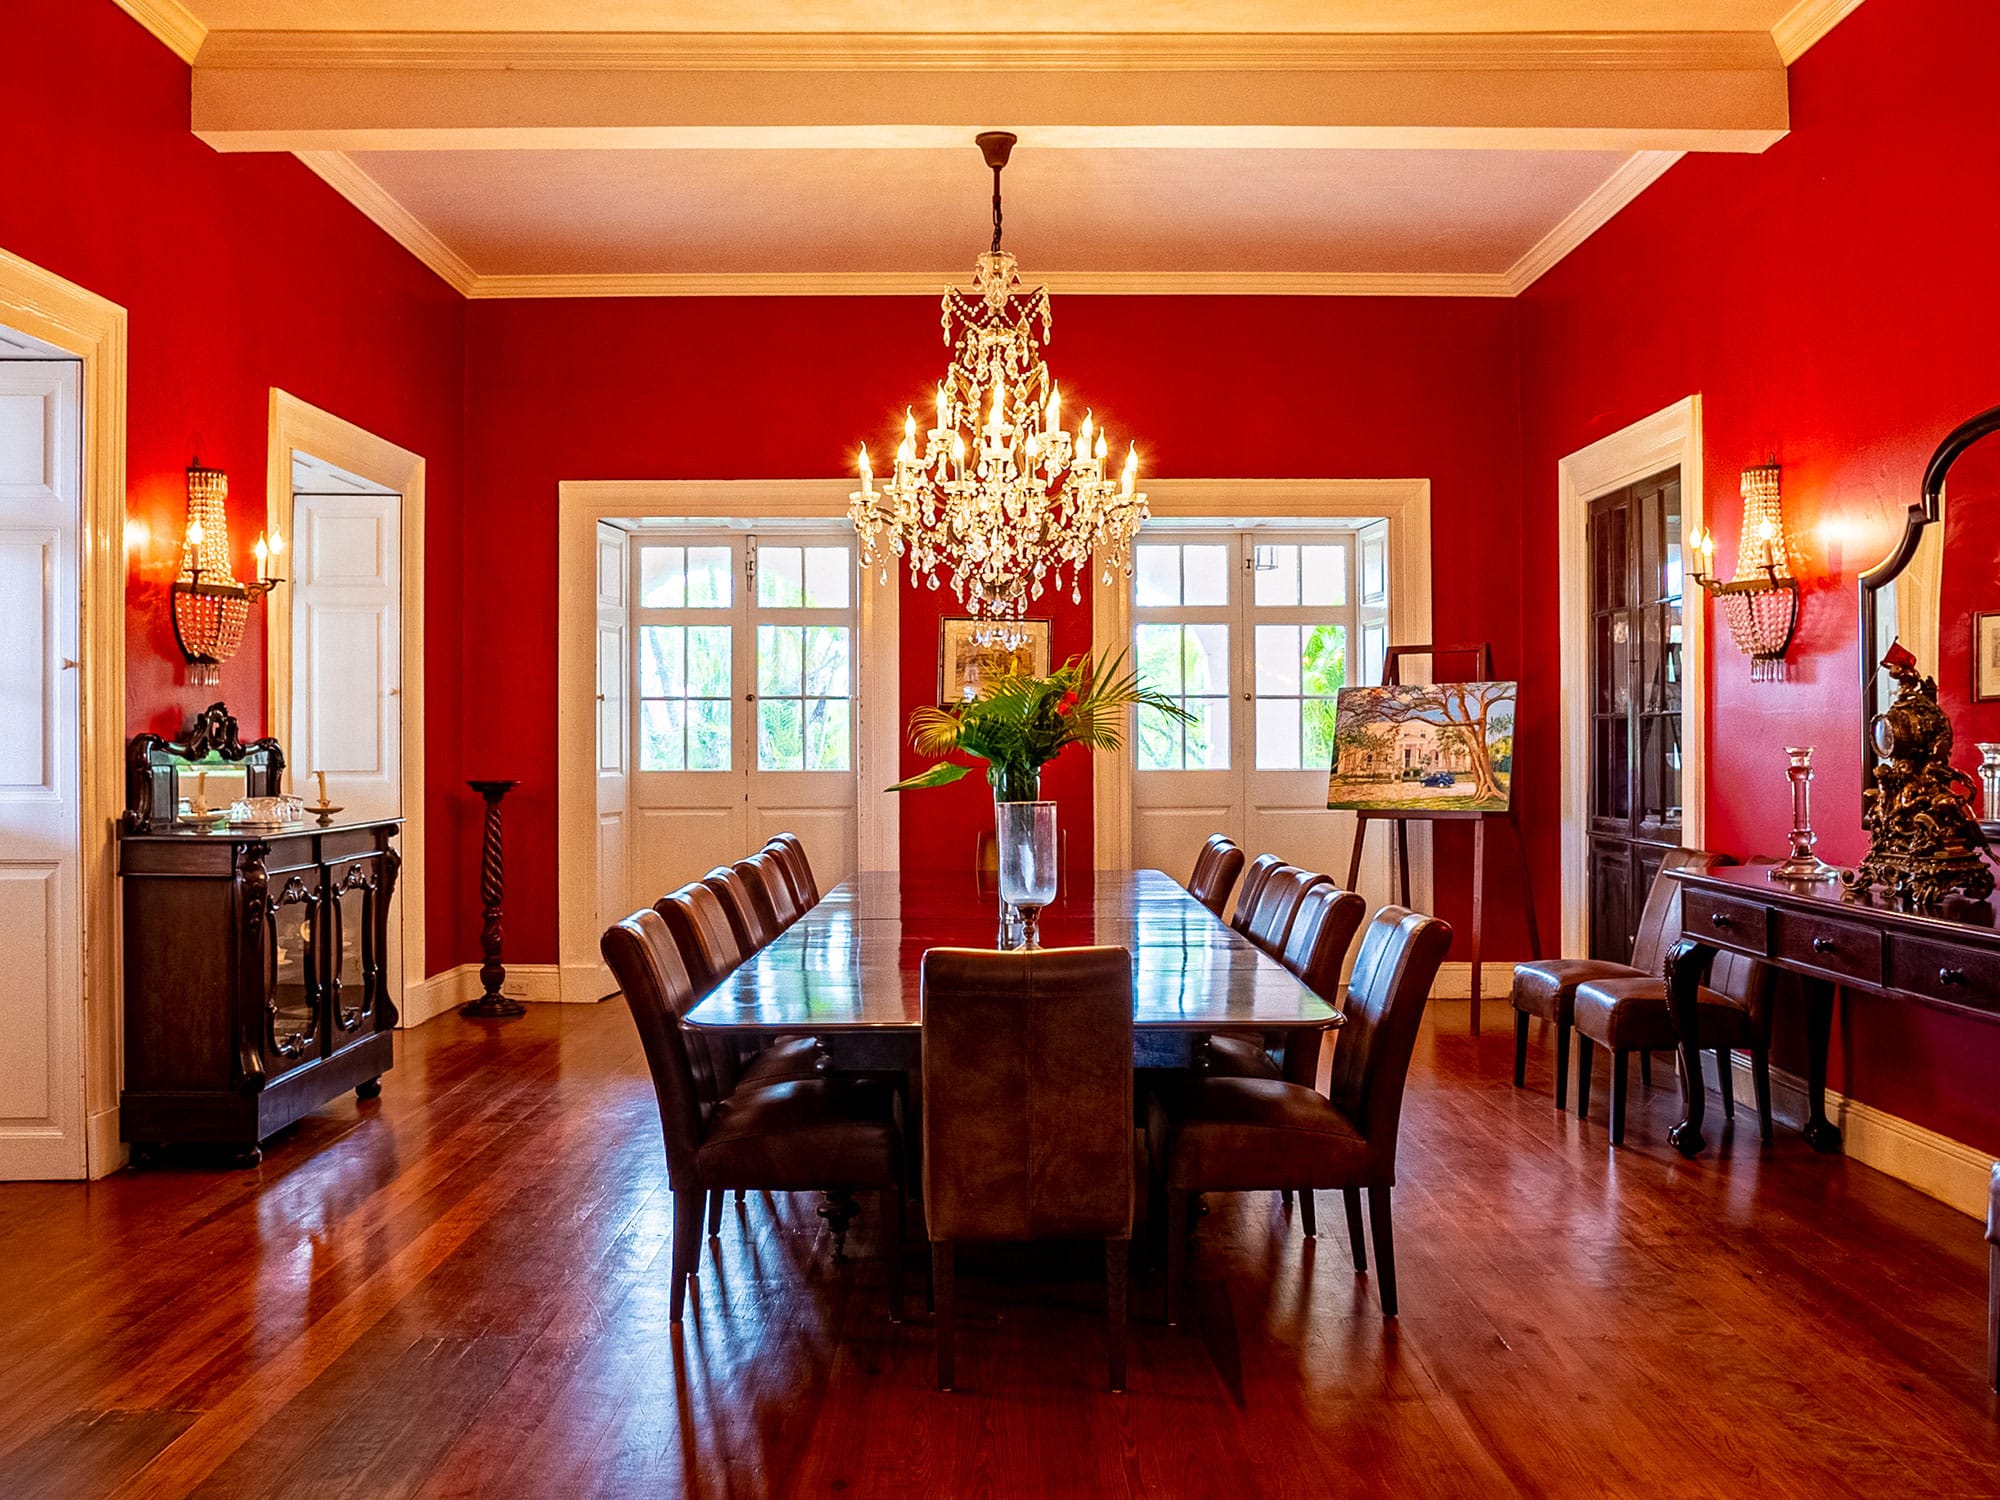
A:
(974, 653)
(1986, 657)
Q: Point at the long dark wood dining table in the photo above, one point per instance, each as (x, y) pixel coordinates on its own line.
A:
(848, 971)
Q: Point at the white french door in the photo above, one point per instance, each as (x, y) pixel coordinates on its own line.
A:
(613, 762)
(743, 689)
(41, 921)
(1254, 631)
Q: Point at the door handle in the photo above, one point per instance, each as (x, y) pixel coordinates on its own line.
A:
(70, 665)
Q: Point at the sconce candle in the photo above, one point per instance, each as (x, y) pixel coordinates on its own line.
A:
(209, 605)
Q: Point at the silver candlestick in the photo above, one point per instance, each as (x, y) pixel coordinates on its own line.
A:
(1802, 864)
(1989, 781)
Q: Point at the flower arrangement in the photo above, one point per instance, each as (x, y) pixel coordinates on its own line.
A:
(1020, 724)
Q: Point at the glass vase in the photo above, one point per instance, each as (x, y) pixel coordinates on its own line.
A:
(1026, 833)
(1013, 783)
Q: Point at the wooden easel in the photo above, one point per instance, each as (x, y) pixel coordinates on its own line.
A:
(1392, 675)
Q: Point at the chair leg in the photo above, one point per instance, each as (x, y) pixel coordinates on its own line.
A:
(1385, 1249)
(1646, 1068)
(1583, 1050)
(1760, 1079)
(1285, 1198)
(1620, 1067)
(741, 1196)
(688, 1204)
(892, 1246)
(1725, 1081)
(1520, 1048)
(1351, 1197)
(1117, 1262)
(715, 1197)
(941, 1284)
(1309, 1213)
(1177, 1224)
(1562, 1063)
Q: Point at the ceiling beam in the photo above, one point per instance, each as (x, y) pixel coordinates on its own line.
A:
(411, 91)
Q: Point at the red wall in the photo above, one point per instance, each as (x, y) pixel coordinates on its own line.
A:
(239, 273)
(664, 389)
(1833, 302)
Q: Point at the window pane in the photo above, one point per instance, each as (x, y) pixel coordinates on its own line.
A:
(1319, 733)
(1277, 734)
(708, 577)
(1374, 653)
(1374, 569)
(662, 736)
(1158, 573)
(829, 577)
(827, 734)
(780, 741)
(708, 661)
(1279, 585)
(1158, 650)
(1277, 661)
(1205, 658)
(1205, 571)
(1323, 658)
(780, 577)
(662, 661)
(1159, 741)
(662, 577)
(778, 660)
(708, 734)
(1208, 737)
(826, 661)
(1322, 575)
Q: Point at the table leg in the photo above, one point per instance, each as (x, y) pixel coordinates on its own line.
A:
(1478, 912)
(1821, 1133)
(1687, 969)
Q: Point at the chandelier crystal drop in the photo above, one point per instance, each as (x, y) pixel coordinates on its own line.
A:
(996, 493)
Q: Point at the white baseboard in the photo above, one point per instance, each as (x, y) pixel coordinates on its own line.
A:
(1936, 1165)
(104, 1153)
(529, 983)
(1454, 981)
(586, 984)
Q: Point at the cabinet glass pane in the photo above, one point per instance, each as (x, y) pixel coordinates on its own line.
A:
(293, 995)
(349, 961)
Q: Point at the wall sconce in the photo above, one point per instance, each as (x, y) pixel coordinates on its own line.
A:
(209, 605)
(1761, 604)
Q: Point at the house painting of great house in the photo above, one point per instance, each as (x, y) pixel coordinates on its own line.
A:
(1410, 748)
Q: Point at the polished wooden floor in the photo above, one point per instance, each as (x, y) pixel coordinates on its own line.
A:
(461, 1291)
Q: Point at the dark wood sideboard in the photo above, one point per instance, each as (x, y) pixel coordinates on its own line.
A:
(255, 987)
(1949, 958)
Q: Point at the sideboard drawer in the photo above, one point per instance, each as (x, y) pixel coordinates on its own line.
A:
(1846, 950)
(1724, 921)
(1943, 972)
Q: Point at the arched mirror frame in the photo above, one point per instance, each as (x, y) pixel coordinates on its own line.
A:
(1927, 511)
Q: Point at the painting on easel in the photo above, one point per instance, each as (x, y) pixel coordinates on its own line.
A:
(1416, 749)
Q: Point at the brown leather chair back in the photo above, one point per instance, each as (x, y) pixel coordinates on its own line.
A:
(1253, 887)
(647, 964)
(695, 917)
(766, 889)
(1322, 932)
(1278, 904)
(750, 930)
(1393, 974)
(793, 852)
(1027, 1089)
(1215, 872)
(1660, 921)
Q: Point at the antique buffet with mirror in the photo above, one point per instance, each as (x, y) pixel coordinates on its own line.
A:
(1923, 702)
(255, 945)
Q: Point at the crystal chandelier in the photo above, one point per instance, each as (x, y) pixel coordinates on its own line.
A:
(1000, 496)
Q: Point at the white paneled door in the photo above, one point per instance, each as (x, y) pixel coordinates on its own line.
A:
(613, 749)
(41, 922)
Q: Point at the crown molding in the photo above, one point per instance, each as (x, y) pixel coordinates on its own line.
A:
(933, 283)
(1805, 23)
(1639, 172)
(1215, 52)
(172, 22)
(365, 193)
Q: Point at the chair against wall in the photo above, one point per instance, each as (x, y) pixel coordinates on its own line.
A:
(1027, 1113)
(809, 1135)
(1216, 869)
(1546, 987)
(1254, 877)
(1251, 1134)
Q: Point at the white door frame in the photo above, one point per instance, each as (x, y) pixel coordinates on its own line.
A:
(1404, 503)
(1667, 438)
(299, 426)
(581, 504)
(80, 322)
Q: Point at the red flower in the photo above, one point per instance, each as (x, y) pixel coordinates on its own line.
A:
(1065, 704)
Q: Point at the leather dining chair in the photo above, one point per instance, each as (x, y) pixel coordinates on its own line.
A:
(1254, 877)
(1027, 1112)
(1322, 931)
(792, 852)
(699, 923)
(1215, 871)
(766, 889)
(751, 929)
(816, 1134)
(1278, 903)
(1249, 1134)
(1546, 987)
